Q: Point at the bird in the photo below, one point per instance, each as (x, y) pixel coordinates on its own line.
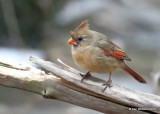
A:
(95, 52)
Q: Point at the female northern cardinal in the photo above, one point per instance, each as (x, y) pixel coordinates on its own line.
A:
(95, 52)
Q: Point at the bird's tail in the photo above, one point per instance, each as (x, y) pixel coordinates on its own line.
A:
(133, 74)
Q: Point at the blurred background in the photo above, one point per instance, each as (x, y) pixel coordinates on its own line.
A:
(42, 27)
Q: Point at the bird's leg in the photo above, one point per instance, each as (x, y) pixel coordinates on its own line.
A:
(85, 76)
(108, 83)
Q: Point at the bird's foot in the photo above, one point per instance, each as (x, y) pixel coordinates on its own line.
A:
(85, 76)
(107, 85)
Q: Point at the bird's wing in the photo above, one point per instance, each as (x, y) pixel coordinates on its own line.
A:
(110, 49)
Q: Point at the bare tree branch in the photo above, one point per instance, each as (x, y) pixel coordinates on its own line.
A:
(64, 84)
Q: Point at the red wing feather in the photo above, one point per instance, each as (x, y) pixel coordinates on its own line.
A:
(118, 54)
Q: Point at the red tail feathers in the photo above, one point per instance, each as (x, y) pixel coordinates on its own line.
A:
(134, 74)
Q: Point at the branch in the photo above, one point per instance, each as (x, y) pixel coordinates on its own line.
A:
(64, 84)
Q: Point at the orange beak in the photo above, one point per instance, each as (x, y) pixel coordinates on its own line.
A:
(71, 41)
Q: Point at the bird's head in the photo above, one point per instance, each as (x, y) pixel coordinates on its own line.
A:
(81, 35)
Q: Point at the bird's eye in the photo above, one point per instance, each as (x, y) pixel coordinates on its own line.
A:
(80, 39)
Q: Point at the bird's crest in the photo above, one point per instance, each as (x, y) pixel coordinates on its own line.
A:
(83, 27)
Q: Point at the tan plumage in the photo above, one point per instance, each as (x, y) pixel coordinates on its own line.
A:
(95, 52)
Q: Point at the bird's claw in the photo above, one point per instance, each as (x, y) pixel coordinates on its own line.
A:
(107, 85)
(85, 76)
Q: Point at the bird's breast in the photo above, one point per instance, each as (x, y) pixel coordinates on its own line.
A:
(94, 60)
